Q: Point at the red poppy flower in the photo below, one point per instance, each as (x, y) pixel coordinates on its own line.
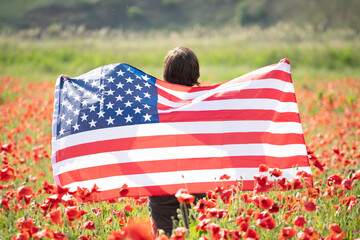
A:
(225, 176)
(59, 235)
(24, 225)
(128, 208)
(200, 205)
(89, 225)
(72, 213)
(304, 236)
(55, 216)
(7, 174)
(161, 237)
(94, 188)
(50, 189)
(21, 236)
(118, 235)
(83, 237)
(124, 190)
(261, 180)
(246, 197)
(262, 185)
(251, 234)
(202, 224)
(62, 190)
(23, 191)
(274, 208)
(243, 226)
(347, 184)
(296, 183)
(312, 233)
(45, 233)
(219, 189)
(267, 222)
(263, 168)
(319, 165)
(334, 179)
(335, 228)
(287, 233)
(356, 175)
(346, 200)
(214, 230)
(180, 233)
(265, 202)
(183, 196)
(310, 206)
(6, 147)
(299, 221)
(210, 203)
(226, 196)
(212, 195)
(276, 172)
(84, 194)
(216, 213)
(304, 174)
(260, 215)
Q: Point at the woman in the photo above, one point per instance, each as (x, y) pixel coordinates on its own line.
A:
(181, 66)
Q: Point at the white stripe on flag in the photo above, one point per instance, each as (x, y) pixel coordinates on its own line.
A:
(234, 104)
(280, 66)
(177, 128)
(183, 152)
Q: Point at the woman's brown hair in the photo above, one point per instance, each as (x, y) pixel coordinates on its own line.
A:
(181, 66)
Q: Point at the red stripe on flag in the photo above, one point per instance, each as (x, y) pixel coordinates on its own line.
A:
(275, 74)
(229, 115)
(162, 141)
(172, 165)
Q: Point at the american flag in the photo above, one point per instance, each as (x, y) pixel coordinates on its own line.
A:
(117, 125)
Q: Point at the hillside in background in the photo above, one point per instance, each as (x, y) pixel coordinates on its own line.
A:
(177, 14)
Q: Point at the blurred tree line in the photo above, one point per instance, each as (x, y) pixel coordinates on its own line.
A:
(178, 14)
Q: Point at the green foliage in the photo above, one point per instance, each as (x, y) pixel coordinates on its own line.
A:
(134, 12)
(248, 11)
(177, 14)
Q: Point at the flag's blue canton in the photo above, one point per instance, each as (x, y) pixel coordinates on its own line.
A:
(109, 96)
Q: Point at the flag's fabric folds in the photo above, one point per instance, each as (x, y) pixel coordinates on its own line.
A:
(117, 125)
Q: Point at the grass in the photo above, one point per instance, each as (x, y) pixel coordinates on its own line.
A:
(223, 55)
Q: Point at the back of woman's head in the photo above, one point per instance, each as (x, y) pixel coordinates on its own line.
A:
(181, 66)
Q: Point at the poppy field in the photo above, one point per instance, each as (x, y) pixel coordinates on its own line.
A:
(32, 207)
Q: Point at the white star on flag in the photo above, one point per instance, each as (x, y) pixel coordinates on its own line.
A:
(76, 127)
(92, 123)
(128, 118)
(84, 117)
(110, 120)
(128, 104)
(119, 112)
(137, 110)
(120, 73)
(109, 105)
(147, 117)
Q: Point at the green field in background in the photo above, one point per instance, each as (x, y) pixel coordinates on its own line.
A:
(222, 56)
